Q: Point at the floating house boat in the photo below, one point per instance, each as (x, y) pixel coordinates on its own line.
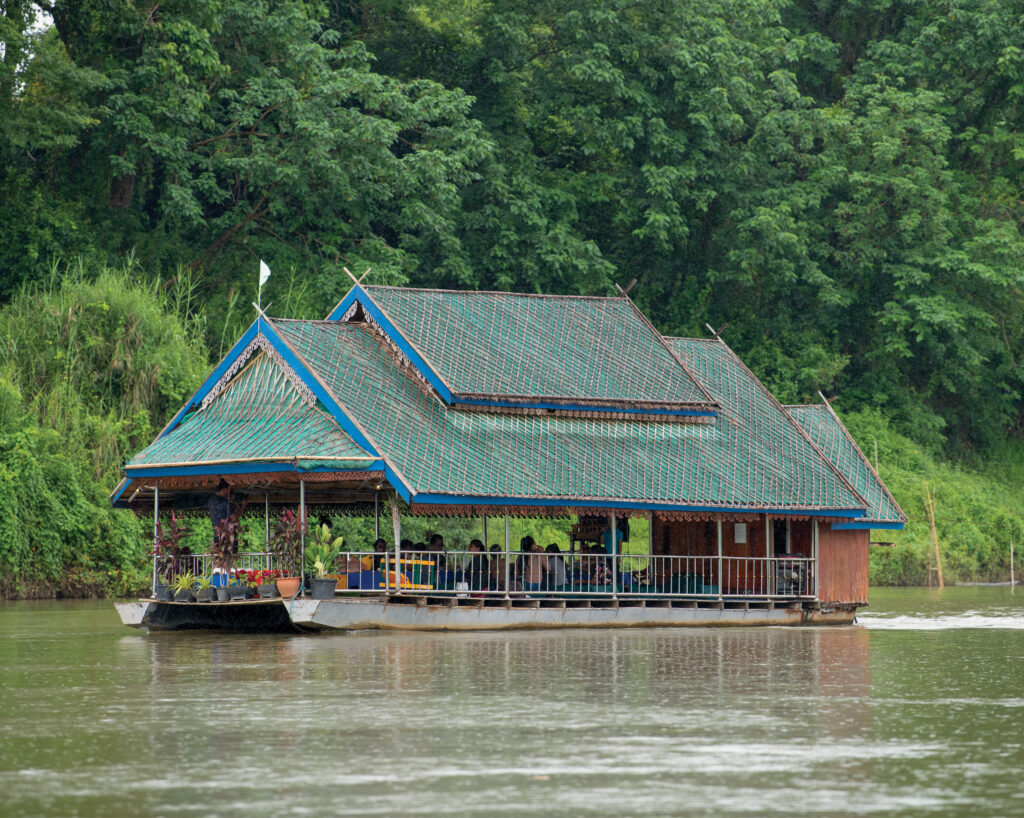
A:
(482, 405)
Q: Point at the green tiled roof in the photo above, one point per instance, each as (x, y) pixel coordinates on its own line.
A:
(562, 348)
(831, 436)
(755, 458)
(259, 416)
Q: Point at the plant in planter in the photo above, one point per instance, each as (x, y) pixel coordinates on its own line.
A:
(183, 585)
(262, 583)
(286, 546)
(205, 591)
(225, 544)
(321, 557)
(169, 553)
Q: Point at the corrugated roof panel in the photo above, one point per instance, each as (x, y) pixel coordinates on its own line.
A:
(562, 348)
(831, 436)
(258, 416)
(755, 458)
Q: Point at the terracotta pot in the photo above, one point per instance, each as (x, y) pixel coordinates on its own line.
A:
(288, 586)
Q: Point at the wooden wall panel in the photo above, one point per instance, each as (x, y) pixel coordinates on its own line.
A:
(842, 565)
(800, 538)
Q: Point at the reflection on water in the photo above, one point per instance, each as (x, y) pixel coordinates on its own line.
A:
(883, 720)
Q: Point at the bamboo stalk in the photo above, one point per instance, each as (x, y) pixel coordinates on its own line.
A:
(930, 503)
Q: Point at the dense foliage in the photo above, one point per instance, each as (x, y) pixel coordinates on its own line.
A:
(839, 182)
(89, 361)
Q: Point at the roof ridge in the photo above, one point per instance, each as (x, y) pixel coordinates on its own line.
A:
(552, 296)
(672, 353)
(877, 476)
(350, 416)
(688, 338)
(792, 421)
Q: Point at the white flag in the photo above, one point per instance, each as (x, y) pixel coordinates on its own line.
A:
(264, 272)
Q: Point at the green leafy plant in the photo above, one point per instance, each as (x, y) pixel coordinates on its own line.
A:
(286, 542)
(202, 583)
(323, 553)
(185, 582)
(169, 549)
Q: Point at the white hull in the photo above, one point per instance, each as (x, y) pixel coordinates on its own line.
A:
(442, 615)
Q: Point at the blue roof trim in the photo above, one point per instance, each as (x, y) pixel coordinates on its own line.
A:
(399, 486)
(302, 370)
(210, 382)
(574, 407)
(357, 293)
(472, 500)
(860, 526)
(239, 468)
(407, 349)
(345, 303)
(116, 497)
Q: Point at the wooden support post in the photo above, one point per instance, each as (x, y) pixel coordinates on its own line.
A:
(396, 528)
(1011, 567)
(507, 556)
(615, 553)
(302, 536)
(721, 582)
(930, 504)
(156, 531)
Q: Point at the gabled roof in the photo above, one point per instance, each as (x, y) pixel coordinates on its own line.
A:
(757, 459)
(829, 433)
(261, 415)
(518, 349)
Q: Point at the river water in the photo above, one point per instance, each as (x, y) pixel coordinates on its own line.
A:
(919, 710)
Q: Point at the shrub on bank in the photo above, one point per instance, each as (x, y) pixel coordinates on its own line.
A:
(977, 513)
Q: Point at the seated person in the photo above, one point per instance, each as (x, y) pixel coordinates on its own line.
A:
(371, 561)
(478, 572)
(600, 572)
(534, 568)
(556, 575)
(497, 569)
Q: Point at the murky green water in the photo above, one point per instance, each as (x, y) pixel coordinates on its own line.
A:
(919, 711)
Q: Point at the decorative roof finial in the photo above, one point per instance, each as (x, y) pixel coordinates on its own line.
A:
(625, 292)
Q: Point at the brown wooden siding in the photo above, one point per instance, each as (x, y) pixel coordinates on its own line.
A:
(842, 565)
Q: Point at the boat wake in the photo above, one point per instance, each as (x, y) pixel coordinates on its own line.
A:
(1010, 620)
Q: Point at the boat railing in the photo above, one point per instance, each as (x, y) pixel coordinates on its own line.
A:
(203, 564)
(545, 574)
(568, 574)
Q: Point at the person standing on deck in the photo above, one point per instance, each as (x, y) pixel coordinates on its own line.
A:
(222, 507)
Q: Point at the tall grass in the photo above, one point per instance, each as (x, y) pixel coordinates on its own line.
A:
(92, 361)
(102, 354)
(977, 512)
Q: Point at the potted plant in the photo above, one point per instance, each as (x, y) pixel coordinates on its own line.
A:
(224, 547)
(205, 592)
(259, 583)
(183, 585)
(286, 546)
(321, 557)
(169, 552)
(236, 590)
